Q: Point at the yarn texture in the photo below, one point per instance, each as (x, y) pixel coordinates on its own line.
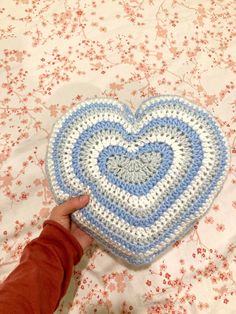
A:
(150, 174)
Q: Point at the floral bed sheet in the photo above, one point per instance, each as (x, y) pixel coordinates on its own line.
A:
(54, 54)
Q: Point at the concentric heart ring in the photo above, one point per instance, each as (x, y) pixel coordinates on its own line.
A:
(150, 175)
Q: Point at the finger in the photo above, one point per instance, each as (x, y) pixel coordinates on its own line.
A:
(73, 226)
(73, 204)
(84, 239)
(76, 230)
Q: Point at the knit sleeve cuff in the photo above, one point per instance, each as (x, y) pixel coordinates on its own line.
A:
(65, 243)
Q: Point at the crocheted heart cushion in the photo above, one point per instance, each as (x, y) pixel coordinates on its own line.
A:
(150, 175)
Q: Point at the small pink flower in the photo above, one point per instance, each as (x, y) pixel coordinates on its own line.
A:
(209, 220)
(215, 208)
(220, 227)
(79, 12)
(121, 287)
(24, 196)
(163, 267)
(161, 32)
(111, 287)
(41, 162)
(167, 276)
(182, 270)
(37, 109)
(148, 283)
(213, 279)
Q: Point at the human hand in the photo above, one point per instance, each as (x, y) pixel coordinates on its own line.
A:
(61, 214)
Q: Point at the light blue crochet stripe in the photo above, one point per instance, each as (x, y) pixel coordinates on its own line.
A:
(131, 259)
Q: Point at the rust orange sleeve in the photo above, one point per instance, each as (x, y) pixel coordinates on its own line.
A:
(42, 277)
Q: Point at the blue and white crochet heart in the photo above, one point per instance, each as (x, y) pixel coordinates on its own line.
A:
(150, 174)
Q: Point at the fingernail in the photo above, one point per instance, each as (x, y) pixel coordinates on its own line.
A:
(84, 197)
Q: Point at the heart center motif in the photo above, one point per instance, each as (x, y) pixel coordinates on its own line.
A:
(134, 170)
(150, 175)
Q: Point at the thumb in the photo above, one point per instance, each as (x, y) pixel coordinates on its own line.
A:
(73, 204)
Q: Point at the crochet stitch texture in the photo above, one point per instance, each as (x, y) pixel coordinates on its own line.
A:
(150, 174)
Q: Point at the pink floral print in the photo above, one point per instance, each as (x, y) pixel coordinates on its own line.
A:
(54, 54)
